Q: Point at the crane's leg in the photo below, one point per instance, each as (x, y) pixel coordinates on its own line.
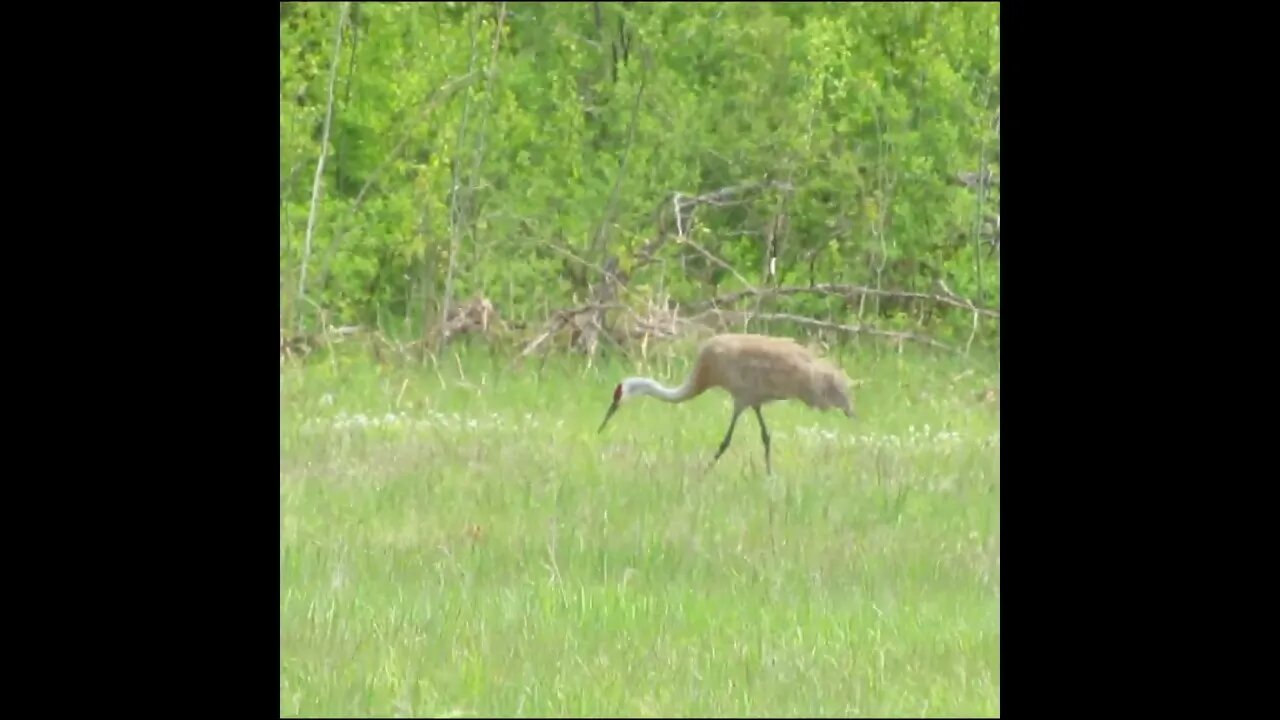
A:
(764, 435)
(724, 444)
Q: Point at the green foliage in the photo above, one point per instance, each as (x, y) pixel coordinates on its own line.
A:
(512, 133)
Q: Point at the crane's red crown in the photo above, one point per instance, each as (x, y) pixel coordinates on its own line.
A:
(617, 393)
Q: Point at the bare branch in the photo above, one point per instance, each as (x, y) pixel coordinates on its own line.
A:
(560, 318)
(324, 152)
(454, 212)
(973, 179)
(626, 155)
(845, 291)
(707, 254)
(983, 179)
(440, 94)
(729, 195)
(608, 275)
(681, 202)
(747, 317)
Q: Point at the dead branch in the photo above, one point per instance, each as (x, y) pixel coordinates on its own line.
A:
(324, 152)
(708, 255)
(728, 196)
(455, 211)
(973, 333)
(559, 319)
(973, 179)
(476, 316)
(747, 317)
(605, 272)
(843, 291)
(437, 97)
(680, 203)
(611, 204)
(301, 345)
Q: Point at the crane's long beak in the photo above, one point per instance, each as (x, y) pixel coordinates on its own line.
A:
(612, 409)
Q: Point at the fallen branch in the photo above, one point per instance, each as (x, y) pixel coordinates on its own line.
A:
(559, 319)
(900, 336)
(845, 291)
(476, 316)
(300, 344)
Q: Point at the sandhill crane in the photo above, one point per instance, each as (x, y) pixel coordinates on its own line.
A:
(754, 369)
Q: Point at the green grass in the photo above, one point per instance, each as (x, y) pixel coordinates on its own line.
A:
(480, 550)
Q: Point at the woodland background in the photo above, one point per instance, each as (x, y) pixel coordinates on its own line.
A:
(593, 175)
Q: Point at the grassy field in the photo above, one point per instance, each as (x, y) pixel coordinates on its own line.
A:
(457, 540)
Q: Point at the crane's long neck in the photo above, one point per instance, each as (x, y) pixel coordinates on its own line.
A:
(653, 388)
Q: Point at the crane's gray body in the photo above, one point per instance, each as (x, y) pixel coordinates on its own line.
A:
(754, 370)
